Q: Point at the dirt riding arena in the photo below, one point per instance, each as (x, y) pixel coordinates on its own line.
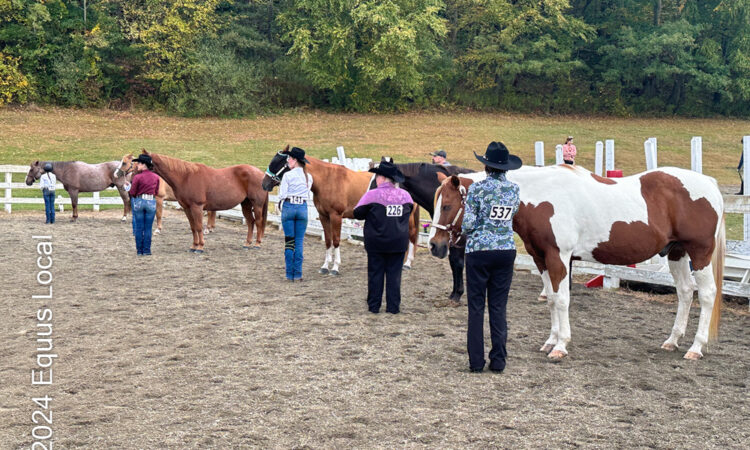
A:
(217, 351)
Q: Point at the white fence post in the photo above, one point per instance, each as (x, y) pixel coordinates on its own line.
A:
(609, 145)
(342, 156)
(539, 153)
(8, 194)
(650, 148)
(96, 201)
(598, 158)
(558, 154)
(745, 175)
(696, 154)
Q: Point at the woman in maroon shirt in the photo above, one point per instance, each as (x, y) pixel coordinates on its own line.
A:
(143, 189)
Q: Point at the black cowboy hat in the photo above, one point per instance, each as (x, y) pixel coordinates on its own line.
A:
(145, 159)
(388, 170)
(497, 156)
(298, 154)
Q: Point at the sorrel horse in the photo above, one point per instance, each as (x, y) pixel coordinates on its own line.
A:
(77, 176)
(165, 194)
(568, 212)
(197, 187)
(336, 191)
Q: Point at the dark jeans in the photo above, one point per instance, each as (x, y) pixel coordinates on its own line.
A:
(488, 276)
(143, 218)
(294, 222)
(49, 206)
(384, 266)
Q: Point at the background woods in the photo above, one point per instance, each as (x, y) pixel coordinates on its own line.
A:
(232, 58)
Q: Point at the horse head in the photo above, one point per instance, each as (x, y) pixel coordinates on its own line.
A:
(276, 169)
(449, 214)
(126, 166)
(35, 172)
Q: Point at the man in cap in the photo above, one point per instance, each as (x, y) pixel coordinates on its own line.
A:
(439, 157)
(386, 211)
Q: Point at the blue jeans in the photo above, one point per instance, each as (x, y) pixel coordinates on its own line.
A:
(132, 215)
(294, 222)
(49, 206)
(144, 212)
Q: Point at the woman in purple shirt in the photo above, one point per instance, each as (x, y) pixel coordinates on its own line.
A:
(144, 187)
(386, 211)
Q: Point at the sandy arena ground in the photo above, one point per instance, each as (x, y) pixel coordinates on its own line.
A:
(217, 351)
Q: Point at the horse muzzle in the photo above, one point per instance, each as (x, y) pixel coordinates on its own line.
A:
(439, 249)
(268, 183)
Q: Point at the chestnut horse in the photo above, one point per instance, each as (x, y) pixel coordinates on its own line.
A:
(336, 191)
(165, 194)
(197, 187)
(568, 212)
(77, 176)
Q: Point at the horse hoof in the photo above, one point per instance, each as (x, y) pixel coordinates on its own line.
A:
(668, 346)
(158, 231)
(256, 247)
(693, 356)
(546, 348)
(407, 267)
(556, 355)
(246, 247)
(124, 218)
(192, 250)
(335, 273)
(205, 232)
(323, 270)
(542, 298)
(198, 251)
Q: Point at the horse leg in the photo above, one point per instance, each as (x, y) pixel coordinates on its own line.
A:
(707, 291)
(456, 258)
(74, 202)
(551, 341)
(197, 212)
(325, 221)
(261, 213)
(210, 222)
(413, 237)
(159, 211)
(336, 241)
(125, 203)
(681, 273)
(247, 211)
(558, 300)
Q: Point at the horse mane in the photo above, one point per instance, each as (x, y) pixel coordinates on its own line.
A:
(171, 164)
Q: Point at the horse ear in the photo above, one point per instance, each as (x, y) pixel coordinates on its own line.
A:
(388, 159)
(36, 163)
(286, 149)
(143, 150)
(441, 177)
(455, 181)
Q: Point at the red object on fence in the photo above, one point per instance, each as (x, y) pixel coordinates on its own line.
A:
(598, 281)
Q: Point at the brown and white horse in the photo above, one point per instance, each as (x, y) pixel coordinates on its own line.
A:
(197, 187)
(336, 191)
(165, 194)
(568, 212)
(77, 176)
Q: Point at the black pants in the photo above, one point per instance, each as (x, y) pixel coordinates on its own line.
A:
(488, 276)
(388, 266)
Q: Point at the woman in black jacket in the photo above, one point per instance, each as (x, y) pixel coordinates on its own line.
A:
(386, 211)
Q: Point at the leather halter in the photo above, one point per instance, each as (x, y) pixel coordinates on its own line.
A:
(454, 233)
(126, 172)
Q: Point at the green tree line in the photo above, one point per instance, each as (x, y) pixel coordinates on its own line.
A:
(239, 57)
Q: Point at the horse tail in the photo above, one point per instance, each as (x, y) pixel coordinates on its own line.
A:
(717, 260)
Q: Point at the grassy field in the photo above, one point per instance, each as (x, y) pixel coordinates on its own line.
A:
(99, 135)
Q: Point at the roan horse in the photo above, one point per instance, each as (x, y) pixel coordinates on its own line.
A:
(568, 212)
(336, 191)
(77, 176)
(198, 187)
(165, 194)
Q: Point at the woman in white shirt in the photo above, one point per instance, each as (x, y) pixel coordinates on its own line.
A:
(294, 194)
(47, 183)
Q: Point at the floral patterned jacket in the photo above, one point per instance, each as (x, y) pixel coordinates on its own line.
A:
(488, 220)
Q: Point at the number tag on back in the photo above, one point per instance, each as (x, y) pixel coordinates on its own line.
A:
(394, 210)
(501, 212)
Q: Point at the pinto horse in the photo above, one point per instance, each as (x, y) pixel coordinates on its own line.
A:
(165, 194)
(77, 176)
(197, 187)
(568, 212)
(336, 191)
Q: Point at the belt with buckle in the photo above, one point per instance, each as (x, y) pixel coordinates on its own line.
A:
(296, 200)
(146, 196)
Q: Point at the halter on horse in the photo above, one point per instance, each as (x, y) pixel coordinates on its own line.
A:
(568, 212)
